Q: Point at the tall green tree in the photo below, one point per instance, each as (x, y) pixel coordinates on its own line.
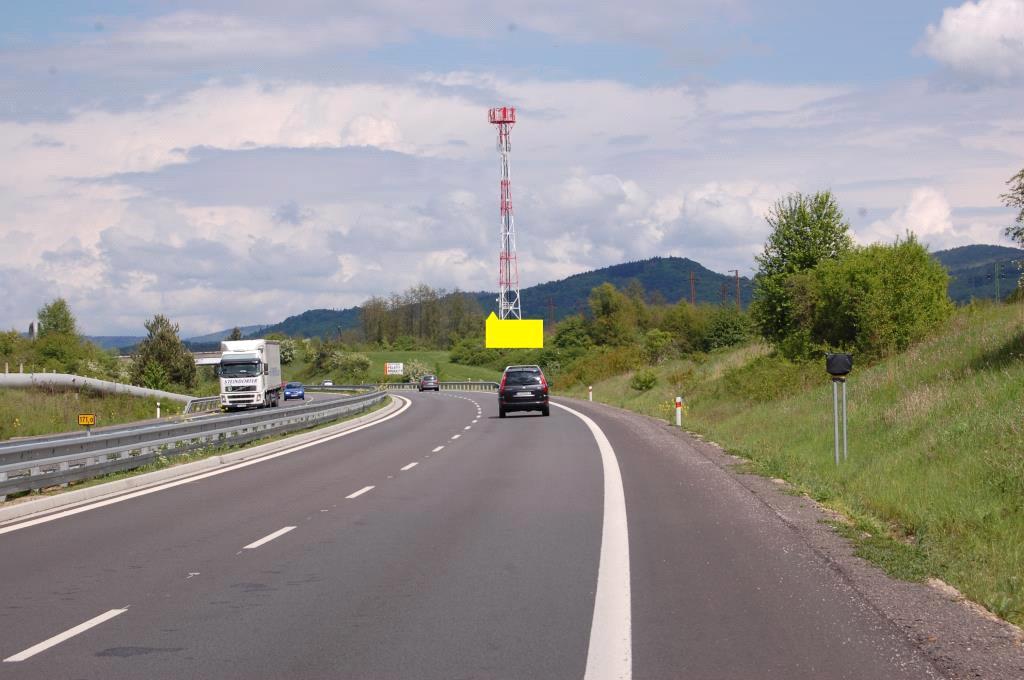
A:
(614, 321)
(805, 231)
(56, 318)
(163, 348)
(236, 334)
(1014, 198)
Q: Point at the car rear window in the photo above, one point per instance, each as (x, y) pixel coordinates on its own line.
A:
(429, 377)
(294, 385)
(522, 378)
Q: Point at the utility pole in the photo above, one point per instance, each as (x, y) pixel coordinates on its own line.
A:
(724, 289)
(551, 312)
(998, 267)
(693, 289)
(739, 308)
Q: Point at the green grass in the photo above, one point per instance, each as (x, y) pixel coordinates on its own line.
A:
(935, 479)
(41, 410)
(438, 361)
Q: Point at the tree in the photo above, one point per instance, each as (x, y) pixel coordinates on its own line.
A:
(613, 319)
(56, 318)
(163, 347)
(806, 230)
(1015, 199)
(236, 334)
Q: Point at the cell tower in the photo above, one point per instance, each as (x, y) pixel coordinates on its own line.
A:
(508, 269)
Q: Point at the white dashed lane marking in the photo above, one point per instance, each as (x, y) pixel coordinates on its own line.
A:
(437, 448)
(268, 539)
(409, 466)
(359, 493)
(66, 635)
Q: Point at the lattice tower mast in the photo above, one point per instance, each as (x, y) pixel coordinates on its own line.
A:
(504, 118)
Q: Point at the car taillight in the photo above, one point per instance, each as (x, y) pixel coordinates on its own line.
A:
(502, 385)
(543, 382)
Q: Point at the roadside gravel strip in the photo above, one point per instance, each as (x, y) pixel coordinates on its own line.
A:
(957, 637)
(44, 509)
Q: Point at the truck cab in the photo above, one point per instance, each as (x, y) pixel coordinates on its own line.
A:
(250, 374)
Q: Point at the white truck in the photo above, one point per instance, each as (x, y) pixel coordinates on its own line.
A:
(250, 374)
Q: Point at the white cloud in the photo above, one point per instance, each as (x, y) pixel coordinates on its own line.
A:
(929, 216)
(242, 202)
(983, 38)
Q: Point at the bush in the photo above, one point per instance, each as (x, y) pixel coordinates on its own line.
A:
(350, 367)
(657, 345)
(879, 299)
(727, 326)
(598, 364)
(643, 380)
(415, 369)
(688, 325)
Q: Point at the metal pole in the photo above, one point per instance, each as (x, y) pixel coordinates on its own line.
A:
(835, 415)
(845, 450)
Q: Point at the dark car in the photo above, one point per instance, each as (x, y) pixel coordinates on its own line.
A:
(294, 390)
(429, 382)
(523, 388)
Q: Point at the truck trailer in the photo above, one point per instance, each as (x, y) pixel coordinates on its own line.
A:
(250, 374)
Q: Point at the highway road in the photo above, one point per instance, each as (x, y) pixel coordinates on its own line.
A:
(442, 543)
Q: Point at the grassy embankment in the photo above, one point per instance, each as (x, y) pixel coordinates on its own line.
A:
(438, 361)
(36, 411)
(935, 480)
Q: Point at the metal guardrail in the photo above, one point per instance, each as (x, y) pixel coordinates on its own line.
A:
(202, 405)
(40, 464)
(461, 385)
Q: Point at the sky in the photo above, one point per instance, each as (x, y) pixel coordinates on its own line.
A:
(231, 163)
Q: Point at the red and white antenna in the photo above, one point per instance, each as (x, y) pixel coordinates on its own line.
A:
(508, 269)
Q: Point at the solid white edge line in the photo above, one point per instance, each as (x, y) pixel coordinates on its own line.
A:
(204, 475)
(268, 538)
(437, 448)
(409, 466)
(61, 637)
(359, 493)
(610, 654)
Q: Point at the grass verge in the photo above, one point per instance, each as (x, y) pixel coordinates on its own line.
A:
(27, 412)
(935, 481)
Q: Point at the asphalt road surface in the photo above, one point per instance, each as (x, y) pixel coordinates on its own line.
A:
(442, 543)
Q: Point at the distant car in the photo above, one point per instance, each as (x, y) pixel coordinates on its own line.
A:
(429, 382)
(294, 390)
(327, 383)
(523, 388)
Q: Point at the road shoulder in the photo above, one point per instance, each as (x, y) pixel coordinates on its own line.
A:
(956, 636)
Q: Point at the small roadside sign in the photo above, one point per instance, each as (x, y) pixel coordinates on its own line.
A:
(394, 369)
(87, 419)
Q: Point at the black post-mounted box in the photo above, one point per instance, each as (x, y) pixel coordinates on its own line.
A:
(838, 364)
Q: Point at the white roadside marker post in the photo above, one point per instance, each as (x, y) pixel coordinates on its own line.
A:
(158, 410)
(679, 411)
(590, 393)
